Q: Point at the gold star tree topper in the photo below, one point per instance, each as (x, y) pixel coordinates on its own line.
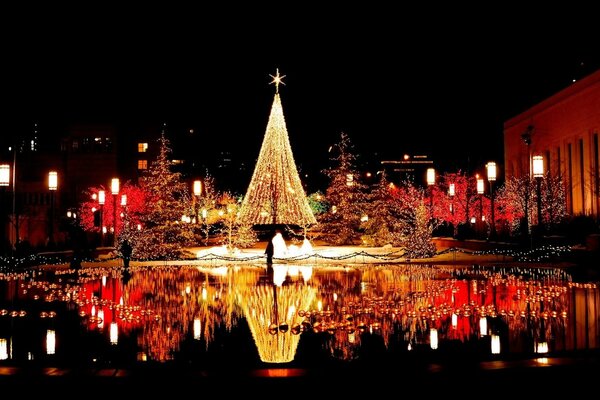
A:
(277, 79)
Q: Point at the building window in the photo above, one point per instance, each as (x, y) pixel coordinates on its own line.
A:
(142, 147)
(142, 164)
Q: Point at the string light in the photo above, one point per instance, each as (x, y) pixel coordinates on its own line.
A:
(275, 194)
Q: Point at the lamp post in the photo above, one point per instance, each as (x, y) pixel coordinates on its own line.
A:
(430, 183)
(451, 193)
(114, 189)
(52, 187)
(4, 182)
(480, 190)
(101, 201)
(538, 173)
(197, 189)
(491, 175)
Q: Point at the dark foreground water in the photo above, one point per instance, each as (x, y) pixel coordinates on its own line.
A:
(293, 321)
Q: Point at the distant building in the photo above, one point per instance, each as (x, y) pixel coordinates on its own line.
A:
(564, 130)
(411, 168)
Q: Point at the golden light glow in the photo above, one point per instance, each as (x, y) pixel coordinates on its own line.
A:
(3, 349)
(275, 194)
(114, 333)
(483, 326)
(52, 180)
(277, 80)
(114, 186)
(430, 176)
(452, 189)
(433, 338)
(538, 166)
(4, 174)
(123, 200)
(50, 341)
(491, 171)
(495, 344)
(480, 187)
(197, 187)
(101, 197)
(197, 328)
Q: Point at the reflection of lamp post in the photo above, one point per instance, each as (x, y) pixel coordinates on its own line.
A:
(480, 190)
(4, 182)
(430, 183)
(114, 189)
(52, 186)
(538, 173)
(491, 175)
(101, 201)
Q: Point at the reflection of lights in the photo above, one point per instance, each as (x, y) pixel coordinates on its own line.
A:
(495, 344)
(541, 347)
(433, 338)
(100, 319)
(50, 341)
(3, 349)
(103, 280)
(542, 360)
(483, 326)
(204, 293)
(454, 320)
(114, 333)
(188, 288)
(335, 297)
(279, 274)
(320, 305)
(306, 272)
(197, 328)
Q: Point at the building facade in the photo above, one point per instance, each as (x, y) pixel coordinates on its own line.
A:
(564, 130)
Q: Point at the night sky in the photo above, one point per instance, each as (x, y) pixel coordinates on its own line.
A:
(394, 82)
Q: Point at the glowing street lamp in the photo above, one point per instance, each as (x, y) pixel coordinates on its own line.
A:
(197, 189)
(538, 174)
(480, 190)
(430, 182)
(491, 175)
(52, 186)
(114, 189)
(4, 182)
(101, 201)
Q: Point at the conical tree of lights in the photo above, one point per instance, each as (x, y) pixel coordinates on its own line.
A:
(275, 194)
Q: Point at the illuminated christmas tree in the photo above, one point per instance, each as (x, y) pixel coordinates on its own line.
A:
(345, 195)
(163, 234)
(418, 243)
(275, 194)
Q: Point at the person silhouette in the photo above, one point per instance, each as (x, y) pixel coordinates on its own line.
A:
(126, 251)
(270, 250)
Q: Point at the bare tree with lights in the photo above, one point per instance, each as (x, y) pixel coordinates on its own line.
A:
(275, 195)
(384, 221)
(234, 233)
(345, 195)
(418, 244)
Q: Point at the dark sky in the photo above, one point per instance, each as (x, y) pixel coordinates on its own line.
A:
(393, 80)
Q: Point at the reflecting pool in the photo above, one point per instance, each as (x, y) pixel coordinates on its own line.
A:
(253, 316)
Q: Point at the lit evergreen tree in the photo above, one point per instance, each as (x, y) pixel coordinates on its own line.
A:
(275, 194)
(345, 195)
(207, 207)
(235, 234)
(418, 243)
(163, 234)
(386, 223)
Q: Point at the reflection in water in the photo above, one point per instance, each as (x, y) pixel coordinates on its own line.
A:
(159, 313)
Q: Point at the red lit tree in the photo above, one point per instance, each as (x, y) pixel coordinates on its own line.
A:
(345, 196)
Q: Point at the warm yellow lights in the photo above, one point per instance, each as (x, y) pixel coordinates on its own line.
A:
(197, 329)
(114, 186)
(541, 347)
(4, 174)
(483, 326)
(430, 176)
(491, 171)
(123, 200)
(495, 344)
(197, 188)
(538, 166)
(277, 80)
(52, 180)
(275, 194)
(50, 341)
(3, 349)
(452, 189)
(433, 338)
(480, 186)
(114, 333)
(101, 197)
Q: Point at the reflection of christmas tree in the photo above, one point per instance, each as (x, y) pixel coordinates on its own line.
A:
(275, 194)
